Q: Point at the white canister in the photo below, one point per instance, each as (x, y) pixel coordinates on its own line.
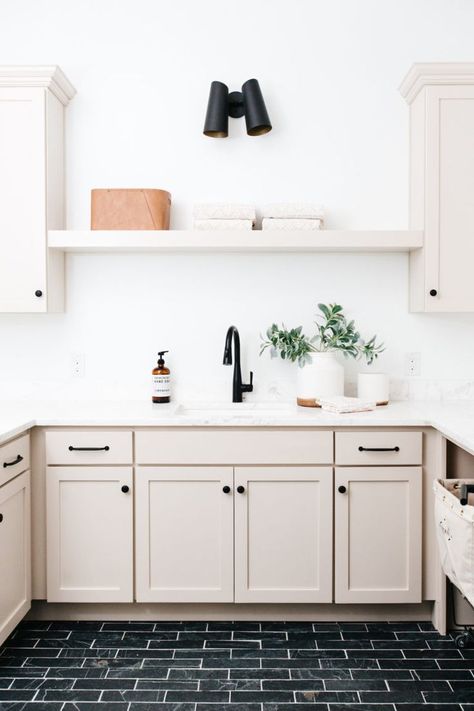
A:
(323, 377)
(373, 387)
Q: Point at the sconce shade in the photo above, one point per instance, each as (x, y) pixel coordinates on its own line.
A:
(216, 124)
(256, 116)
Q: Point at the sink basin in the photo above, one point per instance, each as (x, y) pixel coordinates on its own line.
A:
(237, 409)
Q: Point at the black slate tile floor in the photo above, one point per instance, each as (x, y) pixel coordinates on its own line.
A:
(233, 666)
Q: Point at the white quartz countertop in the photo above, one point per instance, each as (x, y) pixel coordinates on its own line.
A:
(455, 420)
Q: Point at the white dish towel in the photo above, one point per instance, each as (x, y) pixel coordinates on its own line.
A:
(223, 224)
(293, 210)
(275, 223)
(340, 404)
(224, 211)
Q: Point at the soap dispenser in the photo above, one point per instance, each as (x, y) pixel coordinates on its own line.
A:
(161, 391)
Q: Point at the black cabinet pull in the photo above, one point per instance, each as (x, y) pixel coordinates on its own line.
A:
(226, 489)
(89, 449)
(125, 489)
(241, 489)
(1, 518)
(379, 449)
(18, 459)
(466, 489)
(341, 489)
(433, 292)
(38, 293)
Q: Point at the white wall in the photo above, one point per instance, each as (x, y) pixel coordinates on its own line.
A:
(329, 70)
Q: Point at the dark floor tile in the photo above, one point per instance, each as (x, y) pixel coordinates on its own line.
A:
(128, 627)
(214, 697)
(355, 685)
(259, 674)
(430, 707)
(16, 695)
(461, 696)
(193, 674)
(321, 673)
(392, 697)
(347, 697)
(259, 697)
(293, 685)
(408, 664)
(353, 663)
(386, 674)
(72, 695)
(230, 707)
(423, 685)
(119, 684)
(218, 663)
(448, 674)
(158, 684)
(361, 707)
(233, 626)
(149, 696)
(230, 685)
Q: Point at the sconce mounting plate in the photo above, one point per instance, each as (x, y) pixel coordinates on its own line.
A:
(236, 104)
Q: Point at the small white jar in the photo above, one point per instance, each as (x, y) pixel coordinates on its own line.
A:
(373, 387)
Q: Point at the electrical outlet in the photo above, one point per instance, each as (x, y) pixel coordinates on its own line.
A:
(413, 364)
(78, 365)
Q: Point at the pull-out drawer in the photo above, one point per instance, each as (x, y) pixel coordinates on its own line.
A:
(14, 458)
(89, 447)
(239, 446)
(378, 448)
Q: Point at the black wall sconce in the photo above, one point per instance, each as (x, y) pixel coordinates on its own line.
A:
(249, 103)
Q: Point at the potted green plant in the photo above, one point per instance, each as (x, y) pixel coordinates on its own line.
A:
(320, 375)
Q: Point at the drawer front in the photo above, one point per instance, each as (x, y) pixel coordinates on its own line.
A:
(207, 446)
(378, 448)
(89, 447)
(14, 458)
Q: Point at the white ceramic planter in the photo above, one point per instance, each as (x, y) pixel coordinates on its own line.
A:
(373, 387)
(323, 377)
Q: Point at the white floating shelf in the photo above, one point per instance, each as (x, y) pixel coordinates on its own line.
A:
(87, 241)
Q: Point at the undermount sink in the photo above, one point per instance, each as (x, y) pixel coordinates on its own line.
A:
(233, 409)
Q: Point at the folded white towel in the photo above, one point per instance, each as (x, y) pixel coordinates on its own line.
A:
(340, 404)
(223, 224)
(275, 223)
(293, 209)
(224, 211)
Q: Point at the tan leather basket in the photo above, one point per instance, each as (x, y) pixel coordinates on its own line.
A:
(130, 209)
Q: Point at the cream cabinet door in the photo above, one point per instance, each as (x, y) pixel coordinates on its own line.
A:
(283, 534)
(89, 534)
(378, 517)
(449, 227)
(184, 534)
(15, 555)
(23, 199)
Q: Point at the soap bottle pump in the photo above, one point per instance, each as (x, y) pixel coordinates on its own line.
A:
(161, 391)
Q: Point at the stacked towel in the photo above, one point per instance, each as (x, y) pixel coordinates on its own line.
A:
(340, 404)
(292, 216)
(224, 216)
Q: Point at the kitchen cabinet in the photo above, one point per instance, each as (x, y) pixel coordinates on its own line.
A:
(441, 99)
(184, 534)
(89, 534)
(32, 101)
(283, 534)
(15, 556)
(378, 534)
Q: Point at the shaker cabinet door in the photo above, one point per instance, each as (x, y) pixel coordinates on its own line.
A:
(15, 556)
(378, 517)
(184, 534)
(23, 204)
(89, 534)
(283, 534)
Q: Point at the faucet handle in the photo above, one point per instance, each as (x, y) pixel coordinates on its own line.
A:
(248, 388)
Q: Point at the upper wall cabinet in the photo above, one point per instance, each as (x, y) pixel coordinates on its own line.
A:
(32, 102)
(441, 100)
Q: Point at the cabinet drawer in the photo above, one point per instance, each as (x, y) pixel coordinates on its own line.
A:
(378, 448)
(208, 446)
(14, 458)
(89, 447)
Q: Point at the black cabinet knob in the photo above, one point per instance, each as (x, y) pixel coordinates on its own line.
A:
(241, 489)
(341, 489)
(226, 489)
(1, 518)
(125, 489)
(433, 292)
(38, 293)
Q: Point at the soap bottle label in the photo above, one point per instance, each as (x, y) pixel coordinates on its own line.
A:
(161, 385)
